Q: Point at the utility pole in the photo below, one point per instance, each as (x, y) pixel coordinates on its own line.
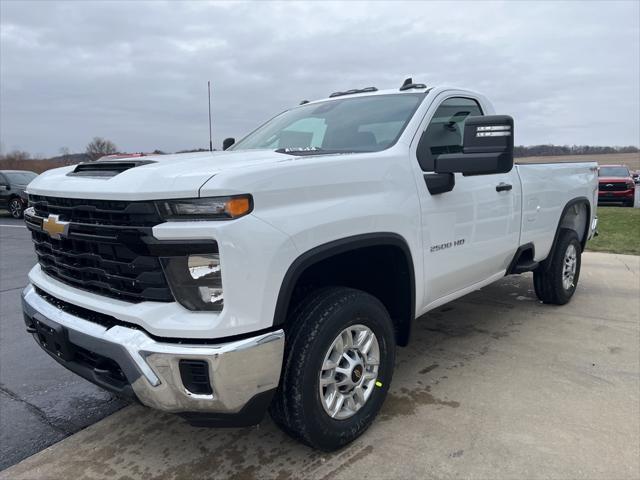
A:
(209, 91)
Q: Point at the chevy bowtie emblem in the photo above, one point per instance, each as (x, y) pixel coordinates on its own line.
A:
(54, 227)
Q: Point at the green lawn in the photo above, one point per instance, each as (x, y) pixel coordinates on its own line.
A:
(619, 231)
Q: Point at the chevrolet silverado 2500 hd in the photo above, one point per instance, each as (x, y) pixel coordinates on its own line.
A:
(282, 273)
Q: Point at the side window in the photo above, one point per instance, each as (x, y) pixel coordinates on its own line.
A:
(445, 130)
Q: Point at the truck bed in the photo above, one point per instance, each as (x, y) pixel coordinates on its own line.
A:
(546, 189)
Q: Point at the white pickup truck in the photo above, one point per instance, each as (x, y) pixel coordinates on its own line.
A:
(281, 273)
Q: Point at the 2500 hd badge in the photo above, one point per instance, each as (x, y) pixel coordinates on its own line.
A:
(444, 246)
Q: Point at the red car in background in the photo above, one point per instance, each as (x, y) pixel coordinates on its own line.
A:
(616, 185)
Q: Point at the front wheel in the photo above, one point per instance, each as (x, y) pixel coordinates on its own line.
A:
(338, 364)
(16, 208)
(556, 282)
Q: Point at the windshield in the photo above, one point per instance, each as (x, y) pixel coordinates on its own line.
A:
(360, 124)
(613, 172)
(20, 178)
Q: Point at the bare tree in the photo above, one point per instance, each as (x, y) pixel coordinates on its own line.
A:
(99, 147)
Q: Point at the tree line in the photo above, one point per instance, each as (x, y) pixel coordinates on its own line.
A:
(549, 150)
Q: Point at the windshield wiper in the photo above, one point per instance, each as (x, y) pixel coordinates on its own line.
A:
(305, 151)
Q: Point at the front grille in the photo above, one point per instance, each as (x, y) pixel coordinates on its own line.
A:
(106, 252)
(613, 186)
(102, 212)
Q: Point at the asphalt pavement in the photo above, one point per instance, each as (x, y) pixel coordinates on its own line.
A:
(40, 402)
(494, 385)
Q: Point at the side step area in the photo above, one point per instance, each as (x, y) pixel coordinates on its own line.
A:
(523, 260)
(525, 266)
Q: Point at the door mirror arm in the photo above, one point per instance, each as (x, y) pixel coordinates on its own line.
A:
(439, 182)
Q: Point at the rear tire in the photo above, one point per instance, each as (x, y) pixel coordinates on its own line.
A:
(556, 282)
(16, 208)
(334, 330)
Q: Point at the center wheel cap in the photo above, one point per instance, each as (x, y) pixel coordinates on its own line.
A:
(356, 374)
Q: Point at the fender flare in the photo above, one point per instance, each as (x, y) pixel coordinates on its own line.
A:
(336, 247)
(571, 203)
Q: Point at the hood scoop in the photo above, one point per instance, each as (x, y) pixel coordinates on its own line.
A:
(105, 169)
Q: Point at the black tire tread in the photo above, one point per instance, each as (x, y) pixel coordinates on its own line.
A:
(306, 321)
(547, 279)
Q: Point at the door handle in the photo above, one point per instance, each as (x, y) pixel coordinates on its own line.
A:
(503, 187)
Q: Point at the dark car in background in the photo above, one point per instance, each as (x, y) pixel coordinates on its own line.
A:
(12, 195)
(615, 185)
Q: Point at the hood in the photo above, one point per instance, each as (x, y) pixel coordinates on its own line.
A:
(168, 176)
(614, 179)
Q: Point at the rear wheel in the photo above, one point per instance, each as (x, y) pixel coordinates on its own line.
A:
(338, 364)
(556, 282)
(16, 208)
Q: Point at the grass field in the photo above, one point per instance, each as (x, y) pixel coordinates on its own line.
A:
(619, 231)
(631, 160)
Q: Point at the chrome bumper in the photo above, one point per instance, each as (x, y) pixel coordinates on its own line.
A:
(238, 370)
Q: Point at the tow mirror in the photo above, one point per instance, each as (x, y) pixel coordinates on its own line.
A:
(227, 142)
(487, 148)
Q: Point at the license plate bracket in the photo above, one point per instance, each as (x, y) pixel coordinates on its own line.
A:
(52, 337)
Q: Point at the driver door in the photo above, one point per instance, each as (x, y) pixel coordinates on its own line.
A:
(471, 232)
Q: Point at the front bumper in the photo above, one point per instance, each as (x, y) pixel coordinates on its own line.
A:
(243, 373)
(617, 196)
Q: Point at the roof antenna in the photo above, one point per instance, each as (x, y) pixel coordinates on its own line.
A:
(408, 81)
(209, 92)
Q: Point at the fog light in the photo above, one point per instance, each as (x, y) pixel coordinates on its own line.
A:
(196, 280)
(203, 265)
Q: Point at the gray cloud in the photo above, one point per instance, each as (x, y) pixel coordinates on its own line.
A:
(136, 72)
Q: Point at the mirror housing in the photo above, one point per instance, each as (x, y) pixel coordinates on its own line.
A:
(487, 147)
(227, 142)
(4, 186)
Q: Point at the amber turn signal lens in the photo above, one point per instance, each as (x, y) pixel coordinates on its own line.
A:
(237, 206)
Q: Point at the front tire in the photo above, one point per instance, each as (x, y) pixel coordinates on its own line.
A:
(556, 282)
(16, 208)
(338, 364)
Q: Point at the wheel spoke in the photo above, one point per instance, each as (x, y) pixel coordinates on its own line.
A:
(329, 365)
(370, 376)
(338, 405)
(373, 362)
(347, 339)
(367, 344)
(343, 382)
(324, 381)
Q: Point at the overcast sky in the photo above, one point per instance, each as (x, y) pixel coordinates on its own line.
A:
(136, 72)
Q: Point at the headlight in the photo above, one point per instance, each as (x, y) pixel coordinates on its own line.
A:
(212, 208)
(196, 280)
